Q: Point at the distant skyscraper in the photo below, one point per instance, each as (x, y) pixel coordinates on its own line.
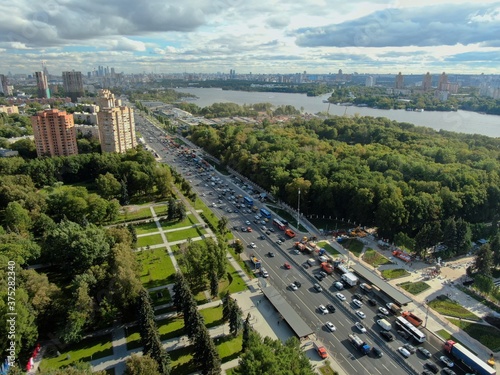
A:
(427, 82)
(73, 85)
(370, 81)
(55, 133)
(43, 85)
(116, 124)
(400, 81)
(4, 85)
(443, 82)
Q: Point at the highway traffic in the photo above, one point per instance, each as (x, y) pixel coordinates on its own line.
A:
(306, 299)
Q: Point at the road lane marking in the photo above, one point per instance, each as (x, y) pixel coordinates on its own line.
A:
(349, 363)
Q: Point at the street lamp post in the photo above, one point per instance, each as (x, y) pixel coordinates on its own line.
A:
(426, 313)
(298, 211)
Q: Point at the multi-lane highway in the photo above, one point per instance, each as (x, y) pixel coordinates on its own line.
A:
(306, 299)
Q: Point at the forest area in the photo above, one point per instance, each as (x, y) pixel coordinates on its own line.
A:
(411, 182)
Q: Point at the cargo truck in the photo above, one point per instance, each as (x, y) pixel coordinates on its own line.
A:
(468, 358)
(412, 318)
(349, 278)
(394, 308)
(402, 255)
(367, 288)
(327, 267)
(359, 344)
(256, 262)
(303, 248)
(320, 349)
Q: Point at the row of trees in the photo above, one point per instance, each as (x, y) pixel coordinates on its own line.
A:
(205, 353)
(372, 171)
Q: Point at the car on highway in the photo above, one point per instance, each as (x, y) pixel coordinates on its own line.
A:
(293, 286)
(372, 302)
(318, 276)
(323, 309)
(282, 239)
(249, 229)
(383, 310)
(243, 229)
(357, 302)
(357, 296)
(323, 273)
(297, 283)
(330, 308)
(387, 335)
(253, 245)
(318, 287)
(449, 371)
(360, 327)
(410, 348)
(340, 296)
(431, 367)
(330, 326)
(268, 233)
(361, 314)
(296, 251)
(264, 272)
(272, 230)
(270, 254)
(377, 353)
(448, 362)
(404, 334)
(287, 266)
(279, 242)
(424, 352)
(426, 372)
(405, 353)
(338, 285)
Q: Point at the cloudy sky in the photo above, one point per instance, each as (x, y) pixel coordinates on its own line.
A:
(258, 36)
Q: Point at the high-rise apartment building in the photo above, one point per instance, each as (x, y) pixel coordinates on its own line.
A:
(427, 82)
(73, 85)
(443, 82)
(4, 85)
(116, 124)
(55, 133)
(370, 81)
(43, 85)
(400, 81)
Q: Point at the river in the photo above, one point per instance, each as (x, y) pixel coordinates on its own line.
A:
(460, 121)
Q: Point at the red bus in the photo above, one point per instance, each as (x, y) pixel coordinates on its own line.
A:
(279, 224)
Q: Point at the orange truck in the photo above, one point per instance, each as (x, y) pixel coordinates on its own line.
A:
(327, 267)
(412, 318)
(290, 233)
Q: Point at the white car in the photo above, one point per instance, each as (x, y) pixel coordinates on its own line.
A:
(404, 352)
(247, 222)
(293, 286)
(330, 326)
(360, 326)
(264, 273)
(383, 310)
(340, 296)
(323, 309)
(361, 314)
(253, 245)
(357, 302)
(448, 362)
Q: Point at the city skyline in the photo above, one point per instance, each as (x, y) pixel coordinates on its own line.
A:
(258, 37)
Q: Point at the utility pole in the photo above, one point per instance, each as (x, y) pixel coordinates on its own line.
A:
(298, 211)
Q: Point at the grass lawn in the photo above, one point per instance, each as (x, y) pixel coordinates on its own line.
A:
(184, 234)
(394, 273)
(154, 239)
(234, 283)
(374, 258)
(212, 316)
(445, 335)
(229, 347)
(414, 287)
(146, 228)
(157, 267)
(172, 224)
(246, 268)
(93, 347)
(126, 215)
(182, 361)
(327, 370)
(355, 246)
(161, 210)
(168, 328)
(165, 310)
(478, 298)
(487, 335)
(325, 245)
(446, 306)
(160, 297)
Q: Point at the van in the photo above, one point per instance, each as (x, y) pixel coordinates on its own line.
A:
(384, 324)
(311, 261)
